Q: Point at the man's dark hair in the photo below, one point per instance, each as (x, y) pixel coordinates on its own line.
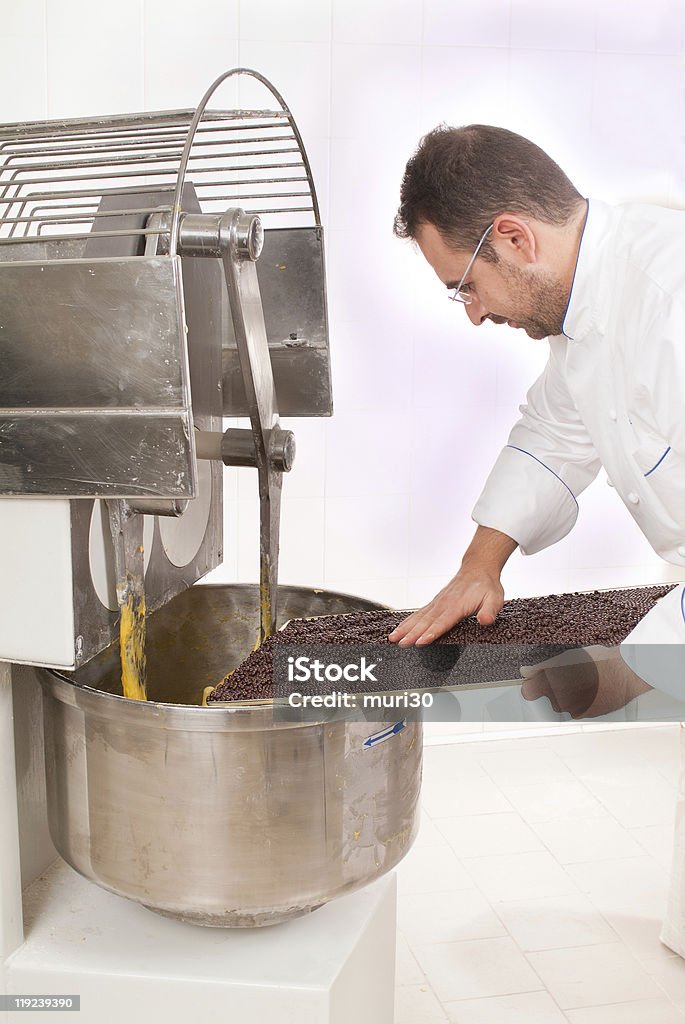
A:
(460, 179)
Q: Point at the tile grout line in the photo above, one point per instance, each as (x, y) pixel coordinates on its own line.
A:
(493, 906)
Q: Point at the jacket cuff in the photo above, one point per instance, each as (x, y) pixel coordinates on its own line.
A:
(526, 500)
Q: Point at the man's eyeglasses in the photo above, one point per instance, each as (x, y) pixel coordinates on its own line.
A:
(458, 294)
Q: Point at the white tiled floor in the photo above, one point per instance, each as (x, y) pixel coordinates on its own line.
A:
(535, 890)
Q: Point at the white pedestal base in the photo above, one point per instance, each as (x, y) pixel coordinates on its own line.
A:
(131, 966)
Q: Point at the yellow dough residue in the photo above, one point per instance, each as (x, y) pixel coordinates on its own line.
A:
(132, 646)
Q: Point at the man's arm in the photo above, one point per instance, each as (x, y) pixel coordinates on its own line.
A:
(531, 493)
(529, 501)
(475, 588)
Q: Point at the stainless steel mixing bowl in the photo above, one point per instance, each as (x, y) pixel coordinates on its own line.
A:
(218, 815)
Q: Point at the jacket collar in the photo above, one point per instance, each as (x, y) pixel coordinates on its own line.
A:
(584, 304)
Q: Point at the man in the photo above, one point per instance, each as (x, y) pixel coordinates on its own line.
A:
(513, 240)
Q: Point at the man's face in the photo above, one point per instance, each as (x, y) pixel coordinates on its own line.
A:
(514, 291)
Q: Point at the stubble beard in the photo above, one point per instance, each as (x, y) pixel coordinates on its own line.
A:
(544, 300)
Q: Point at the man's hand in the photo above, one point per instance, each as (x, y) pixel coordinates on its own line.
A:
(585, 683)
(475, 589)
(469, 592)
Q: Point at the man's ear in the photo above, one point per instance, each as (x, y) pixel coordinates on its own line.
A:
(512, 236)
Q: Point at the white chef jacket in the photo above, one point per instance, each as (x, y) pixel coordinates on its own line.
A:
(613, 395)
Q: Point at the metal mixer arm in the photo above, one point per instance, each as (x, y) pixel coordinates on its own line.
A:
(236, 238)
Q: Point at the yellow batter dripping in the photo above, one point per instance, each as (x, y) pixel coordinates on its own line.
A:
(132, 646)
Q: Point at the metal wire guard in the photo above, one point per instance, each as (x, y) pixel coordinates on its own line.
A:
(53, 174)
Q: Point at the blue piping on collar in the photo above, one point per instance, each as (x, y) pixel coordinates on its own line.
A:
(536, 459)
(575, 270)
(682, 603)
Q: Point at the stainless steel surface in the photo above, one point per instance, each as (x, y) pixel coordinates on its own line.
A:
(236, 231)
(208, 444)
(127, 531)
(221, 816)
(96, 623)
(63, 181)
(200, 519)
(282, 450)
(158, 506)
(94, 391)
(83, 199)
(292, 276)
(236, 447)
(127, 536)
(237, 237)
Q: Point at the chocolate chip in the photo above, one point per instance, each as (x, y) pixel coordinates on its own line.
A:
(544, 625)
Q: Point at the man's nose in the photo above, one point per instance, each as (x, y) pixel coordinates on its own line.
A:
(476, 312)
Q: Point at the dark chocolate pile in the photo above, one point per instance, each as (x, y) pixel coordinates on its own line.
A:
(527, 630)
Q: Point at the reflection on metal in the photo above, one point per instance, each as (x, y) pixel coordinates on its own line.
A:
(215, 815)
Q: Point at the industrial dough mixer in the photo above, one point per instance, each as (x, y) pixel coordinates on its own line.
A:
(157, 273)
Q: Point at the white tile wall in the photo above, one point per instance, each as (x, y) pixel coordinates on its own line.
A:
(375, 91)
(88, 75)
(629, 129)
(95, 59)
(276, 62)
(564, 27)
(380, 497)
(307, 478)
(463, 85)
(302, 558)
(567, 81)
(295, 22)
(24, 18)
(373, 443)
(18, 52)
(487, 23)
(185, 48)
(622, 27)
(371, 375)
(357, 21)
(70, 18)
(359, 545)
